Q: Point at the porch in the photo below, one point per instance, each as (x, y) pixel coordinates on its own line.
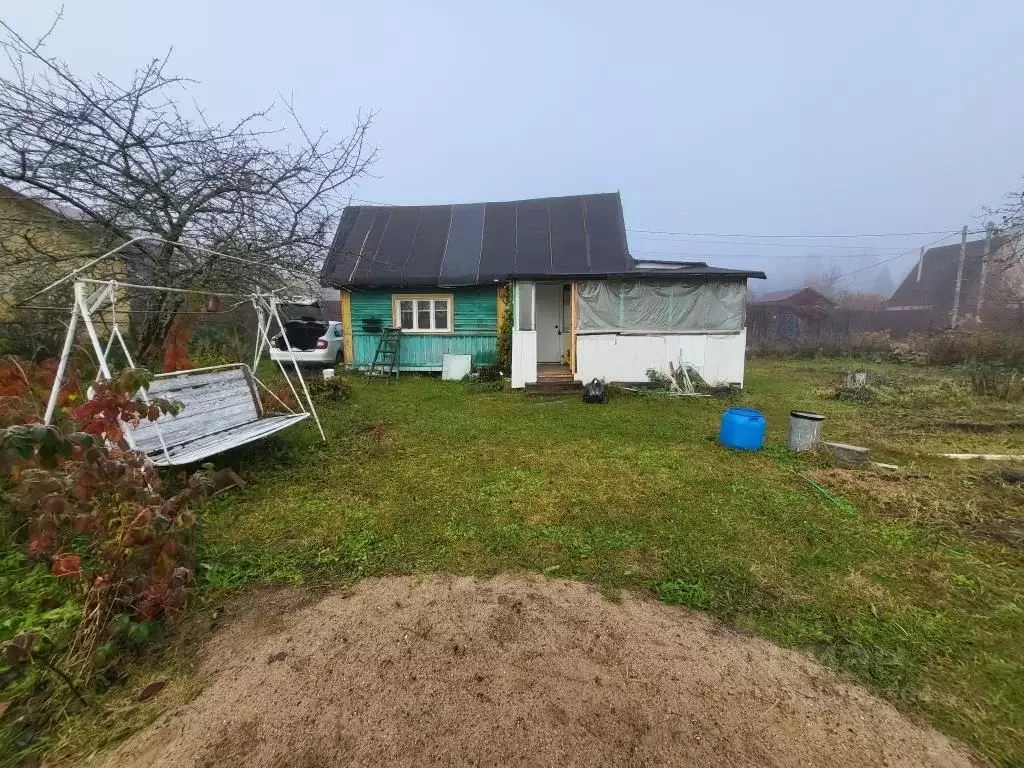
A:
(543, 335)
(553, 379)
(617, 330)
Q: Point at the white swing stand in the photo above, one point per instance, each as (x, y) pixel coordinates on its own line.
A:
(221, 406)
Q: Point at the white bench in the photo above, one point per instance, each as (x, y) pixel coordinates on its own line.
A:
(221, 410)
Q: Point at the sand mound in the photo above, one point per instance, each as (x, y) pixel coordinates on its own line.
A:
(515, 671)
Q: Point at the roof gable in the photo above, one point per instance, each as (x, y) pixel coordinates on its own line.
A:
(935, 285)
(801, 297)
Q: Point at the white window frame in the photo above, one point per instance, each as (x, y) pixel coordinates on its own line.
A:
(396, 314)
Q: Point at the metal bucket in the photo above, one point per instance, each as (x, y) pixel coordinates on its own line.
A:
(804, 430)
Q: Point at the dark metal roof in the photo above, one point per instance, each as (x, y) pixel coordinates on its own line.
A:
(937, 282)
(447, 245)
(579, 237)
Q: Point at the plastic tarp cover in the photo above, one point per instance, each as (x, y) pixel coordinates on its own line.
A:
(661, 306)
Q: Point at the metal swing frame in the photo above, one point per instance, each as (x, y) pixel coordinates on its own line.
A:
(92, 297)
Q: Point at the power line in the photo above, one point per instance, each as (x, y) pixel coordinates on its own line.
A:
(755, 244)
(844, 275)
(750, 236)
(897, 256)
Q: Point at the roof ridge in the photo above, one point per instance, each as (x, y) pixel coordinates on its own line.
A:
(488, 202)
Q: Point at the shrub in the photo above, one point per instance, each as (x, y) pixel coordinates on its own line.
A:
(278, 396)
(504, 362)
(988, 380)
(489, 373)
(32, 334)
(865, 394)
(217, 345)
(97, 513)
(957, 347)
(658, 379)
(25, 388)
(871, 345)
(334, 390)
(947, 347)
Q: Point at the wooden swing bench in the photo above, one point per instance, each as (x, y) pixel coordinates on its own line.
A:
(221, 409)
(220, 405)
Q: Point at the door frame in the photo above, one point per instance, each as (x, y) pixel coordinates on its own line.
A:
(550, 290)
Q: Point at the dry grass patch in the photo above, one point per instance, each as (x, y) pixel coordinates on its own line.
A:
(974, 502)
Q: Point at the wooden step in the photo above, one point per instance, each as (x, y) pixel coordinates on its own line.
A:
(560, 387)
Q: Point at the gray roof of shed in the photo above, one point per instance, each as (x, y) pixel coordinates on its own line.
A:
(481, 243)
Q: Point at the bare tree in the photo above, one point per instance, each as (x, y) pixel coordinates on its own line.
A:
(1008, 220)
(828, 283)
(1004, 288)
(131, 159)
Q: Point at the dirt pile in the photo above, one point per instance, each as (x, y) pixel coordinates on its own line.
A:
(515, 671)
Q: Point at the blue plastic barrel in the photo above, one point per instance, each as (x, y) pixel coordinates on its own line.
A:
(742, 429)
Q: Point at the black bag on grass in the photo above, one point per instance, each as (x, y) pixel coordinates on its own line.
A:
(594, 392)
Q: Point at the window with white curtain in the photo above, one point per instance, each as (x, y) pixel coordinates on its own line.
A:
(423, 313)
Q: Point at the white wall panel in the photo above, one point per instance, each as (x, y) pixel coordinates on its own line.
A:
(725, 358)
(626, 358)
(524, 358)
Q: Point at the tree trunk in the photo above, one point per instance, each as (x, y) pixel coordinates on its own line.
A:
(160, 312)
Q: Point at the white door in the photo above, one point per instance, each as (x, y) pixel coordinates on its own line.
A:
(549, 319)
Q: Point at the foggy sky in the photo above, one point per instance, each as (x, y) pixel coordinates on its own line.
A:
(730, 117)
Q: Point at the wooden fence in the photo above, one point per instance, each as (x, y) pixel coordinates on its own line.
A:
(769, 324)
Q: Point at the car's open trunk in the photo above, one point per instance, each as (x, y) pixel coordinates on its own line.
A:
(302, 334)
(304, 325)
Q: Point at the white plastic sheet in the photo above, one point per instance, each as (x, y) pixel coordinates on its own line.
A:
(661, 306)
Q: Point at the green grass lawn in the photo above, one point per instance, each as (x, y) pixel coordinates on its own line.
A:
(913, 586)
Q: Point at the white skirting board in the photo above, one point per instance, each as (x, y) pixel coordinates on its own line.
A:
(626, 358)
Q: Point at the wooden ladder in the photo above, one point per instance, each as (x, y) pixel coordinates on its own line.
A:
(385, 359)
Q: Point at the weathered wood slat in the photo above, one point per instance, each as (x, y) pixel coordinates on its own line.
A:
(220, 411)
(192, 422)
(186, 379)
(211, 401)
(185, 394)
(211, 445)
(214, 393)
(198, 397)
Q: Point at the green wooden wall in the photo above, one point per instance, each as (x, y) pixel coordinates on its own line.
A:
(475, 329)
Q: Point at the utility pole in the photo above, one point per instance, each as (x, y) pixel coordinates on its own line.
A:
(984, 269)
(959, 276)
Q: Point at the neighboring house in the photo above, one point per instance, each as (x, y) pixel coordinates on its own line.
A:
(791, 315)
(990, 285)
(40, 242)
(580, 303)
(803, 299)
